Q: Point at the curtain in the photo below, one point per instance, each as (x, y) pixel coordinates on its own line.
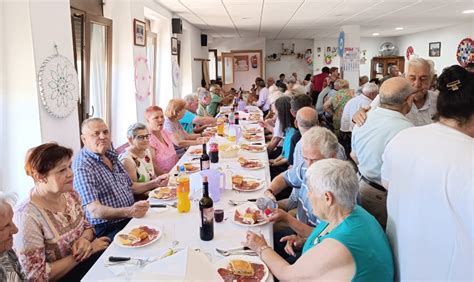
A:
(205, 72)
(98, 71)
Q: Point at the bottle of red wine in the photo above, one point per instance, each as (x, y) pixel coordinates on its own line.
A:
(206, 230)
(205, 161)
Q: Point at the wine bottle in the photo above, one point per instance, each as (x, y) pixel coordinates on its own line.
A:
(206, 230)
(205, 162)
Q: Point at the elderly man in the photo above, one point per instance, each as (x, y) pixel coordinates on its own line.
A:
(362, 81)
(191, 122)
(204, 99)
(393, 71)
(217, 99)
(370, 140)
(317, 83)
(10, 269)
(102, 182)
(420, 73)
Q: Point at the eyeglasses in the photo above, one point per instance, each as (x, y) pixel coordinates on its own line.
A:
(143, 137)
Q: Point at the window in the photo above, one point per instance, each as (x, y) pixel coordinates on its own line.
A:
(151, 51)
(92, 38)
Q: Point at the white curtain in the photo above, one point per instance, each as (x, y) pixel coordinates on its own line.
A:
(98, 71)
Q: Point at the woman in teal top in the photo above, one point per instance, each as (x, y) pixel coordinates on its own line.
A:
(348, 244)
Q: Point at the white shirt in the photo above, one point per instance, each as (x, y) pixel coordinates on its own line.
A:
(430, 203)
(263, 101)
(421, 116)
(277, 132)
(369, 141)
(351, 107)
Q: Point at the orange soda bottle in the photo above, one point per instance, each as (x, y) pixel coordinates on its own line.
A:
(184, 204)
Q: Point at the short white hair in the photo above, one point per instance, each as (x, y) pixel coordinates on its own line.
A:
(369, 88)
(337, 177)
(190, 98)
(321, 138)
(7, 198)
(421, 61)
(203, 93)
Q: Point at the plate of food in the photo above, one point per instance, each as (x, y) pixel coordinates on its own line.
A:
(210, 130)
(251, 163)
(246, 184)
(249, 215)
(191, 167)
(163, 193)
(252, 129)
(254, 116)
(252, 137)
(195, 152)
(242, 268)
(137, 236)
(253, 148)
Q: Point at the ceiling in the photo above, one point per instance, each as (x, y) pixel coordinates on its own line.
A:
(308, 19)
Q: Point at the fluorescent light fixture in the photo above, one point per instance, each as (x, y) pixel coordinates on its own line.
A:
(399, 28)
(468, 12)
(375, 34)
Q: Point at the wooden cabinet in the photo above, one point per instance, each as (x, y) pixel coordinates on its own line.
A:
(379, 65)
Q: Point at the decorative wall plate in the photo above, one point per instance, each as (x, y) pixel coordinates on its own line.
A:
(410, 51)
(142, 78)
(465, 51)
(58, 85)
(176, 74)
(340, 44)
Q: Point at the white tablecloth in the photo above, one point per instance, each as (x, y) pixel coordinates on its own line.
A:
(184, 227)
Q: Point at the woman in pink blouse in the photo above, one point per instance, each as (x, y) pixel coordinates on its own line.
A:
(54, 240)
(160, 140)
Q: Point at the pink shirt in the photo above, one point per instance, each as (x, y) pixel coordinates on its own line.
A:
(166, 157)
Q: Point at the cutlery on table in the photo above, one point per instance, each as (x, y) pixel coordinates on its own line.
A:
(236, 203)
(140, 261)
(173, 205)
(237, 251)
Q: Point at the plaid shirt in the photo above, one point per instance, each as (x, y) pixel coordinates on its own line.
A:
(94, 181)
(296, 177)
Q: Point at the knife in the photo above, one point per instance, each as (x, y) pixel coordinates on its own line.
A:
(119, 259)
(158, 206)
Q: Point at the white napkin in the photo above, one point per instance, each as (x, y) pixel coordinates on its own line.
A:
(120, 269)
(187, 265)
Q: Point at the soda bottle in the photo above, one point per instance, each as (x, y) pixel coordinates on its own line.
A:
(184, 204)
(206, 230)
(236, 118)
(213, 151)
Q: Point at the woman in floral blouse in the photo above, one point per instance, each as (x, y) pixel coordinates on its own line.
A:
(336, 104)
(54, 240)
(139, 160)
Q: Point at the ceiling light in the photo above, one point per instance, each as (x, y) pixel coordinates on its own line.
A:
(375, 34)
(399, 28)
(468, 12)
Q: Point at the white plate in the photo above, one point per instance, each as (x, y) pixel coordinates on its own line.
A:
(223, 263)
(260, 186)
(127, 229)
(253, 168)
(195, 154)
(264, 149)
(150, 198)
(242, 209)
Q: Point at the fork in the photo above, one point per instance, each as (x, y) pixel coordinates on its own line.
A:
(236, 203)
(237, 251)
(140, 261)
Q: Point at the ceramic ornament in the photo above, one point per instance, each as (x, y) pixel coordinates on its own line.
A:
(142, 78)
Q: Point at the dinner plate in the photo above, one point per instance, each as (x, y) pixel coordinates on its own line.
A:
(127, 229)
(242, 209)
(155, 191)
(260, 186)
(195, 152)
(223, 263)
(262, 148)
(262, 165)
(253, 137)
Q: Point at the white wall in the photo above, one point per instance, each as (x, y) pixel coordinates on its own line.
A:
(449, 38)
(288, 64)
(318, 57)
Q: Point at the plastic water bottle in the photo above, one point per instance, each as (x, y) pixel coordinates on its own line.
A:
(264, 203)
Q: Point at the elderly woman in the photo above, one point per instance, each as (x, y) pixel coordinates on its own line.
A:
(10, 269)
(348, 244)
(263, 97)
(204, 99)
(54, 240)
(434, 162)
(160, 141)
(181, 139)
(335, 104)
(139, 160)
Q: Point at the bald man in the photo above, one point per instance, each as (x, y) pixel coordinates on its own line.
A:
(369, 141)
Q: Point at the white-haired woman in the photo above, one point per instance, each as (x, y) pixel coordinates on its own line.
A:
(348, 243)
(204, 99)
(10, 269)
(139, 160)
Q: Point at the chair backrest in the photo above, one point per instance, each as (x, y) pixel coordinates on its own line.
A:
(121, 148)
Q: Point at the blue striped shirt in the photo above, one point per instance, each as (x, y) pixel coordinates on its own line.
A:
(296, 177)
(94, 181)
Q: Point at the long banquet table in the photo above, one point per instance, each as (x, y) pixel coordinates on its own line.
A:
(184, 227)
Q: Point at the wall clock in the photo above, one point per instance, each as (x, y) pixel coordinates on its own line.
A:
(58, 85)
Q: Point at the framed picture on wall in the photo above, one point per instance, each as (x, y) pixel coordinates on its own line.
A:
(241, 63)
(435, 49)
(139, 33)
(174, 46)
